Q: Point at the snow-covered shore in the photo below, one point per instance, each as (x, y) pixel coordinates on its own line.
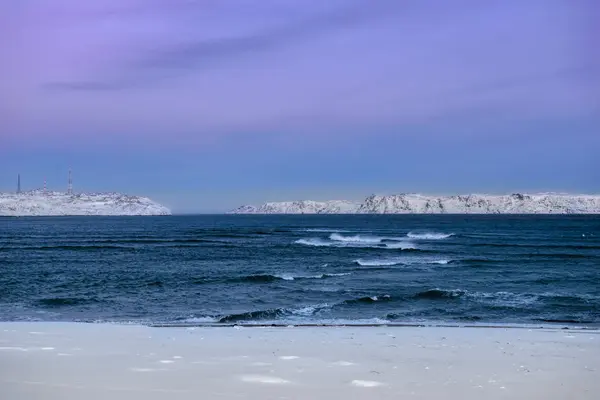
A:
(40, 203)
(543, 203)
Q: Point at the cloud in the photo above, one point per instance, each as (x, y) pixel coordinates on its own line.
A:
(166, 59)
(217, 67)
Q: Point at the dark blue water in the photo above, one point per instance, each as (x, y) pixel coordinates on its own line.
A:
(302, 269)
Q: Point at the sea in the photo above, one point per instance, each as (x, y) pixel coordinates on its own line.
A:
(302, 270)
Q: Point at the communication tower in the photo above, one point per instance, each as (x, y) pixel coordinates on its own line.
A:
(70, 189)
(18, 183)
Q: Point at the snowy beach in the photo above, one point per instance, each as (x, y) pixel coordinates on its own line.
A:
(98, 361)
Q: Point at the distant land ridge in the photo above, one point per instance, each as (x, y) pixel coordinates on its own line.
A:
(51, 203)
(517, 203)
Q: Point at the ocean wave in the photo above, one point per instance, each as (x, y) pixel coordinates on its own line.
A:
(262, 278)
(314, 314)
(565, 321)
(200, 320)
(317, 242)
(314, 242)
(288, 277)
(429, 235)
(355, 239)
(390, 262)
(400, 246)
(369, 299)
(273, 314)
(379, 263)
(508, 299)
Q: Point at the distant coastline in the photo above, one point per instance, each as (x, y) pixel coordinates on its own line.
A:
(52, 203)
(516, 203)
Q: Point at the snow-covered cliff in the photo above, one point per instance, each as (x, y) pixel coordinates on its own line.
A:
(544, 203)
(39, 203)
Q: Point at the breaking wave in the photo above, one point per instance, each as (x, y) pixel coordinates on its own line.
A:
(337, 240)
(428, 235)
(265, 278)
(272, 314)
(355, 239)
(316, 313)
(369, 299)
(390, 262)
(378, 263)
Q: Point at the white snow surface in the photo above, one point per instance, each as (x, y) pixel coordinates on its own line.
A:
(301, 207)
(541, 203)
(40, 203)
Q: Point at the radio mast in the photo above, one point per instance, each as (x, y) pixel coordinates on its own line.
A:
(18, 183)
(70, 189)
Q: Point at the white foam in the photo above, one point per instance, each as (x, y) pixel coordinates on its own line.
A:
(317, 242)
(289, 277)
(309, 310)
(429, 235)
(441, 262)
(355, 239)
(369, 384)
(166, 361)
(313, 242)
(401, 246)
(286, 277)
(289, 357)
(272, 380)
(379, 262)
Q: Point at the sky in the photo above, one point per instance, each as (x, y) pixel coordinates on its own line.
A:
(210, 104)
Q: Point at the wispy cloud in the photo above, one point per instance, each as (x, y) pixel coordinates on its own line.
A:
(239, 64)
(154, 60)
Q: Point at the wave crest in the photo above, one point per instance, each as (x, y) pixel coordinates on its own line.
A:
(429, 235)
(355, 238)
(378, 263)
(369, 243)
(266, 278)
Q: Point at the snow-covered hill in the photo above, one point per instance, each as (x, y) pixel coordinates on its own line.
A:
(544, 203)
(40, 203)
(301, 207)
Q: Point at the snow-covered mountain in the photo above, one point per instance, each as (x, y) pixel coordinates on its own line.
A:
(40, 203)
(544, 203)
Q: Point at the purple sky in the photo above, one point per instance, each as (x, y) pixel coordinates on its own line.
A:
(206, 105)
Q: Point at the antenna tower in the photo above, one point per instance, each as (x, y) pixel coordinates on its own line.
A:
(18, 183)
(44, 185)
(70, 189)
